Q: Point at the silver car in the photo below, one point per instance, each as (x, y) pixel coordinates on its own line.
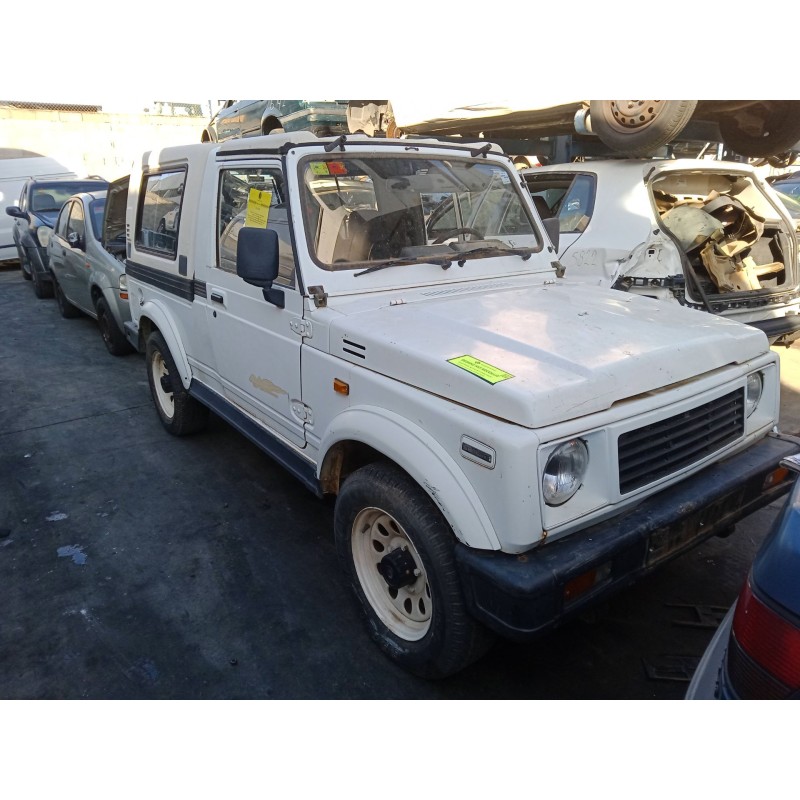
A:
(86, 255)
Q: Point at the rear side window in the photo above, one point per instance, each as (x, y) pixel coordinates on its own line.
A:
(568, 197)
(158, 218)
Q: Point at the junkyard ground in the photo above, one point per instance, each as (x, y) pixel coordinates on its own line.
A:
(137, 565)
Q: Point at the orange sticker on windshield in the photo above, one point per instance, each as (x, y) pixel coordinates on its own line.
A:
(337, 168)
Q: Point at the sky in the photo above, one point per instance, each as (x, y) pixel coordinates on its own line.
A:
(457, 52)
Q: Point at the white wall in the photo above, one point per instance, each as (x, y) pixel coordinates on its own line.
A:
(95, 144)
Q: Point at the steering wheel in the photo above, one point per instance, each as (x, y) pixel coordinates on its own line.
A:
(455, 232)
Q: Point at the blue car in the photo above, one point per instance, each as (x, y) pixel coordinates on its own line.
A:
(40, 202)
(755, 652)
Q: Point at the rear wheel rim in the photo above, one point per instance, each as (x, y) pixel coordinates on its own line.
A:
(407, 610)
(165, 400)
(635, 114)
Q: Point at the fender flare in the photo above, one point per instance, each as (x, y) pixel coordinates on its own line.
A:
(160, 318)
(425, 460)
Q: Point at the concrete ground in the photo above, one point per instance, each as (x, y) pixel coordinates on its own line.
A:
(137, 565)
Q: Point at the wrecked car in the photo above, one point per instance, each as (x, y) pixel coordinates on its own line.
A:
(703, 234)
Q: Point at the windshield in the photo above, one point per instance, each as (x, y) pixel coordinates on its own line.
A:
(51, 196)
(409, 209)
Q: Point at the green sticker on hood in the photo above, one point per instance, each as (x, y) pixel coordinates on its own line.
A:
(480, 368)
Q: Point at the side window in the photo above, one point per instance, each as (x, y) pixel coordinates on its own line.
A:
(571, 198)
(253, 197)
(77, 222)
(61, 223)
(23, 198)
(158, 220)
(576, 208)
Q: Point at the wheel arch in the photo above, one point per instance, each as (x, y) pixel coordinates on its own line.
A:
(153, 317)
(365, 434)
(269, 122)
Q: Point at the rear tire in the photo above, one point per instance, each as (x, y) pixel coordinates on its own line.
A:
(639, 127)
(413, 601)
(178, 411)
(113, 338)
(23, 263)
(67, 310)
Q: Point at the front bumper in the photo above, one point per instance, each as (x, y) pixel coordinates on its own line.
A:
(523, 596)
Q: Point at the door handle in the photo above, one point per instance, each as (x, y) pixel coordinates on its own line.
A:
(217, 298)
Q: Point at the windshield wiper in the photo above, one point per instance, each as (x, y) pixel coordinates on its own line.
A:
(483, 252)
(444, 263)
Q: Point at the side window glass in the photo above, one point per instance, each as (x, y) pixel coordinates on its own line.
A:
(158, 221)
(61, 223)
(253, 197)
(77, 223)
(23, 198)
(576, 208)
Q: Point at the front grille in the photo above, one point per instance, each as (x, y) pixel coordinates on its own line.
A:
(656, 450)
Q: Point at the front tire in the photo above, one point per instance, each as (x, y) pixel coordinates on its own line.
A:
(639, 127)
(398, 551)
(113, 338)
(178, 411)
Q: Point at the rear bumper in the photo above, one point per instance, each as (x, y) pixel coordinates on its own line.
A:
(523, 596)
(780, 330)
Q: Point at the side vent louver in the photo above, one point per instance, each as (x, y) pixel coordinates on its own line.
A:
(354, 349)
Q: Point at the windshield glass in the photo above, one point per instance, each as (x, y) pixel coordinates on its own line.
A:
(96, 209)
(367, 210)
(51, 196)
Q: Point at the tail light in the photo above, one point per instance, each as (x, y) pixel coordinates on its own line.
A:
(763, 659)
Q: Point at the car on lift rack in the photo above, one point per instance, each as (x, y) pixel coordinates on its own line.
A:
(239, 118)
(709, 235)
(751, 128)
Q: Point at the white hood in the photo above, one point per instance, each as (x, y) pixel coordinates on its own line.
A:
(572, 350)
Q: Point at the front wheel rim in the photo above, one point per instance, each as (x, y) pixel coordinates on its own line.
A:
(405, 610)
(165, 400)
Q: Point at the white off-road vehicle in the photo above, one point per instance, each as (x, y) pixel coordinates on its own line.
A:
(385, 318)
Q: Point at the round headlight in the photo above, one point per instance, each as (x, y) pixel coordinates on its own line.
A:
(43, 235)
(755, 387)
(564, 472)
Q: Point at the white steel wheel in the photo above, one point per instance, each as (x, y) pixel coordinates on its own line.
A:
(391, 574)
(160, 376)
(398, 552)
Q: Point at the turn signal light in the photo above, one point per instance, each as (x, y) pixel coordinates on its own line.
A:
(340, 387)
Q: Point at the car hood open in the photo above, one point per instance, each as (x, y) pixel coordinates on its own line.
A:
(571, 350)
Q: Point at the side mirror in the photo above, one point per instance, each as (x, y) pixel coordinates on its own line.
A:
(16, 211)
(75, 240)
(553, 229)
(257, 261)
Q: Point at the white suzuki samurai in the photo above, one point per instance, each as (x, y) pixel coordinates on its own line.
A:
(387, 320)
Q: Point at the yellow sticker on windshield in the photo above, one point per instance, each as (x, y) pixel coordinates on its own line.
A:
(320, 168)
(258, 204)
(480, 368)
